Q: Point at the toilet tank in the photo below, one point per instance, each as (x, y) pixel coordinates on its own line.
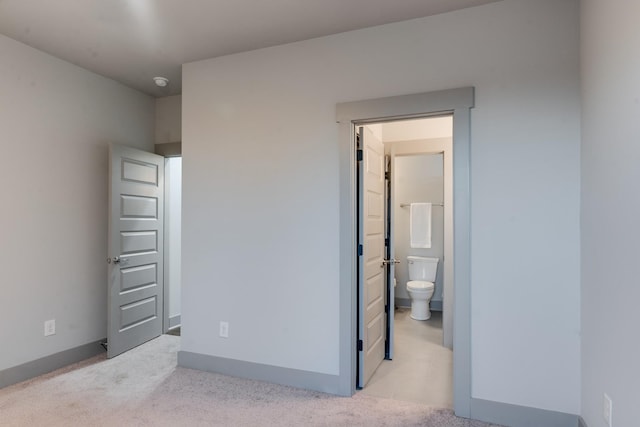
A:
(422, 268)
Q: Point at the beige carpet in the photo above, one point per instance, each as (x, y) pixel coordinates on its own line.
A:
(143, 387)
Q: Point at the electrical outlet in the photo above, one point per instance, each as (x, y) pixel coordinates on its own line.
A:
(224, 329)
(607, 409)
(49, 327)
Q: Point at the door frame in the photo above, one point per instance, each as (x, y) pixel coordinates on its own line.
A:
(457, 102)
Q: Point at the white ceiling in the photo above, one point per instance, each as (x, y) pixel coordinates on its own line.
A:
(132, 41)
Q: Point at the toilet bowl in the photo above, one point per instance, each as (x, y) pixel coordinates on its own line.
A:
(420, 293)
(422, 275)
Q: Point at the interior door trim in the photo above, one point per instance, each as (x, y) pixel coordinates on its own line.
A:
(453, 101)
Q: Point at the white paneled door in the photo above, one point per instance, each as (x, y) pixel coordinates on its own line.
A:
(371, 271)
(135, 248)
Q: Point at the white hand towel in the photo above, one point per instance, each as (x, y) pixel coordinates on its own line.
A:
(420, 225)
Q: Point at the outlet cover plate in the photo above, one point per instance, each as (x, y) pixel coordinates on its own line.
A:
(49, 327)
(224, 329)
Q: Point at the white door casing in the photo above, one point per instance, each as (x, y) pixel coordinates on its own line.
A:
(135, 248)
(372, 274)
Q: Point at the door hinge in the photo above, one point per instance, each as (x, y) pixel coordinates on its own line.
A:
(359, 155)
(360, 250)
(386, 241)
(359, 345)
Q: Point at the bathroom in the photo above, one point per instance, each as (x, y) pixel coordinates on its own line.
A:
(418, 178)
(419, 153)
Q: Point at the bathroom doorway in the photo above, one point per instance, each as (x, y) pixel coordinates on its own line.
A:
(416, 167)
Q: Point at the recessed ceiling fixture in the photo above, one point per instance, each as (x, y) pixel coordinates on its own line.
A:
(161, 81)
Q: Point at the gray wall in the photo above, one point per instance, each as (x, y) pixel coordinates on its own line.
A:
(168, 124)
(418, 178)
(610, 209)
(57, 121)
(263, 253)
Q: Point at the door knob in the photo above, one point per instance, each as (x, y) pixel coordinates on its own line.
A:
(389, 261)
(117, 260)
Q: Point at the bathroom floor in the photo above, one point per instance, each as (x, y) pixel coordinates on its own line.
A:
(422, 369)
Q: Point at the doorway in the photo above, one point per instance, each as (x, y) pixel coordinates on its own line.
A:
(457, 102)
(173, 238)
(417, 170)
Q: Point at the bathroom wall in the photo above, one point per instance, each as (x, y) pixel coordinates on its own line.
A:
(418, 178)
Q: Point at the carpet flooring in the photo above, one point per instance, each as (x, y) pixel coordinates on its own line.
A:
(144, 387)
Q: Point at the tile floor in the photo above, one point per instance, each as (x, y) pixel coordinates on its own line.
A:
(421, 370)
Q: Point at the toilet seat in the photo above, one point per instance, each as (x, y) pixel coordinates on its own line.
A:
(420, 285)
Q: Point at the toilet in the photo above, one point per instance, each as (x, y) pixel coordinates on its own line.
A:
(422, 275)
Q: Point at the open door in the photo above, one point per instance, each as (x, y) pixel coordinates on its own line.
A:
(371, 272)
(135, 248)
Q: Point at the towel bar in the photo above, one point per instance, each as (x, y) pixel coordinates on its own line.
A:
(406, 205)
